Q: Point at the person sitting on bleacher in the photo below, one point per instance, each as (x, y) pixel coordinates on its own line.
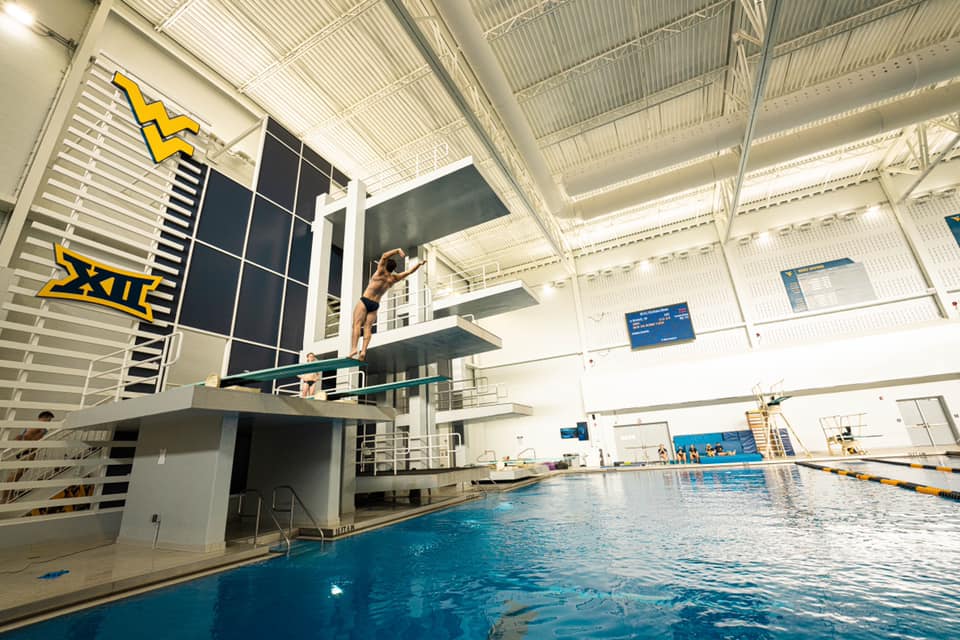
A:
(694, 455)
(681, 455)
(662, 452)
(709, 450)
(720, 452)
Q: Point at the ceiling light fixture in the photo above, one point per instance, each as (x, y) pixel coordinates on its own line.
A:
(19, 14)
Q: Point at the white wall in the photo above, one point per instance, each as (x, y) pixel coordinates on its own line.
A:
(837, 363)
(32, 69)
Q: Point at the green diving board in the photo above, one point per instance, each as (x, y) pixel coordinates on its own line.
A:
(289, 371)
(388, 386)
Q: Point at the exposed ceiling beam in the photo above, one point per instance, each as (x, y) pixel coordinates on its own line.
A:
(930, 166)
(408, 22)
(528, 15)
(294, 54)
(625, 50)
(714, 75)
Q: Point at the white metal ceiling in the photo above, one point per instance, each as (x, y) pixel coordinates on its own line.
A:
(593, 79)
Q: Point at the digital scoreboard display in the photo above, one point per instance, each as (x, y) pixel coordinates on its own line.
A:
(663, 325)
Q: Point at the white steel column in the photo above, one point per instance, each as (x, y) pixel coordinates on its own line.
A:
(351, 284)
(315, 323)
(920, 253)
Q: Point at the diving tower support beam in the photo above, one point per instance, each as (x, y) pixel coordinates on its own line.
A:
(318, 285)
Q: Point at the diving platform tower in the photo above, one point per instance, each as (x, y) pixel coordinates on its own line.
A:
(424, 328)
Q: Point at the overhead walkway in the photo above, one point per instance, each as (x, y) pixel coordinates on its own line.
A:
(434, 205)
(485, 302)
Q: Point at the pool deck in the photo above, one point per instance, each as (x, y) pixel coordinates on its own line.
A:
(104, 571)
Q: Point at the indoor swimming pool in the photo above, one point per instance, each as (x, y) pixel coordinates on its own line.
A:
(778, 552)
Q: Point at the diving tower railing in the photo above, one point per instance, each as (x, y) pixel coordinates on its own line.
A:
(401, 451)
(342, 381)
(398, 306)
(465, 281)
(161, 353)
(460, 394)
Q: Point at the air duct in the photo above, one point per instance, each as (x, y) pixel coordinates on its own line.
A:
(801, 108)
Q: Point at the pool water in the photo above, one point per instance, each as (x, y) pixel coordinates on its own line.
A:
(752, 553)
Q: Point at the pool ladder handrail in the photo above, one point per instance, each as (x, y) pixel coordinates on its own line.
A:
(294, 500)
(256, 527)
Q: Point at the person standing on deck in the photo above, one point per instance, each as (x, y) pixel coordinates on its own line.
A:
(365, 313)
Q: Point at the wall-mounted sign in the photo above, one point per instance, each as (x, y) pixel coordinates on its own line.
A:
(827, 284)
(954, 223)
(91, 281)
(663, 325)
(159, 130)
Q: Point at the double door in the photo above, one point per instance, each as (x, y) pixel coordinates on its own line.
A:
(928, 422)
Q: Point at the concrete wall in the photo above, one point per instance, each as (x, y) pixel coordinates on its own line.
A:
(306, 457)
(94, 526)
(181, 472)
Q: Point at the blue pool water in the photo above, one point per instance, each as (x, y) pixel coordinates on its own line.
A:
(758, 553)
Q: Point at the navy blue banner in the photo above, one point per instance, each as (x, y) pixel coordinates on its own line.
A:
(954, 223)
(791, 280)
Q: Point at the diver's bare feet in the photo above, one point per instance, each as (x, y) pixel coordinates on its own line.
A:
(362, 356)
(352, 353)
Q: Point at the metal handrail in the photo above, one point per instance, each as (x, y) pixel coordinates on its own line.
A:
(398, 445)
(493, 459)
(294, 499)
(341, 376)
(256, 530)
(162, 361)
(520, 455)
(466, 280)
(396, 301)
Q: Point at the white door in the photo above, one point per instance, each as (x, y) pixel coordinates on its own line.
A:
(927, 422)
(639, 442)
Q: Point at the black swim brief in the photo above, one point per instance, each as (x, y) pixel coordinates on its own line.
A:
(369, 304)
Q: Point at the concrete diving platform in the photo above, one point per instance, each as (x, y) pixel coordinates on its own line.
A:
(422, 343)
(419, 479)
(475, 414)
(490, 301)
(434, 205)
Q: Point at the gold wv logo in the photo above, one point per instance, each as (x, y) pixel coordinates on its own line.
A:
(155, 125)
(91, 281)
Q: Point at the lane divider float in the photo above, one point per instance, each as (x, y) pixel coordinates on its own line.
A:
(903, 484)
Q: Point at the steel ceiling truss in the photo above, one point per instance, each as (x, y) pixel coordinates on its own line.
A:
(525, 17)
(625, 50)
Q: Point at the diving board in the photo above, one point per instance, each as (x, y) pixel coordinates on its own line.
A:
(387, 386)
(429, 207)
(290, 371)
(489, 301)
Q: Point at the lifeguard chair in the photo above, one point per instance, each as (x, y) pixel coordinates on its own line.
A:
(844, 433)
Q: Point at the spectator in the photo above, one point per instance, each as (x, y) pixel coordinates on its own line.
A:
(662, 452)
(681, 455)
(32, 433)
(694, 455)
(710, 450)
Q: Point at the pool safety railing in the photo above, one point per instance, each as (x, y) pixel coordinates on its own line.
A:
(343, 380)
(466, 280)
(903, 484)
(257, 515)
(400, 451)
(468, 393)
(521, 459)
(291, 506)
(128, 380)
(400, 307)
(491, 459)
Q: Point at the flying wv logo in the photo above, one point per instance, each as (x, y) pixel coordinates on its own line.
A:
(155, 125)
(90, 281)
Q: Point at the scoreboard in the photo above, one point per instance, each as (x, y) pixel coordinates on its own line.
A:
(663, 325)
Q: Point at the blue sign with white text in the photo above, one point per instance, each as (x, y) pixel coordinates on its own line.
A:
(954, 223)
(663, 325)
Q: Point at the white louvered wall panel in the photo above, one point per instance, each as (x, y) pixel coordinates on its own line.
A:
(935, 235)
(701, 280)
(874, 240)
(103, 197)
